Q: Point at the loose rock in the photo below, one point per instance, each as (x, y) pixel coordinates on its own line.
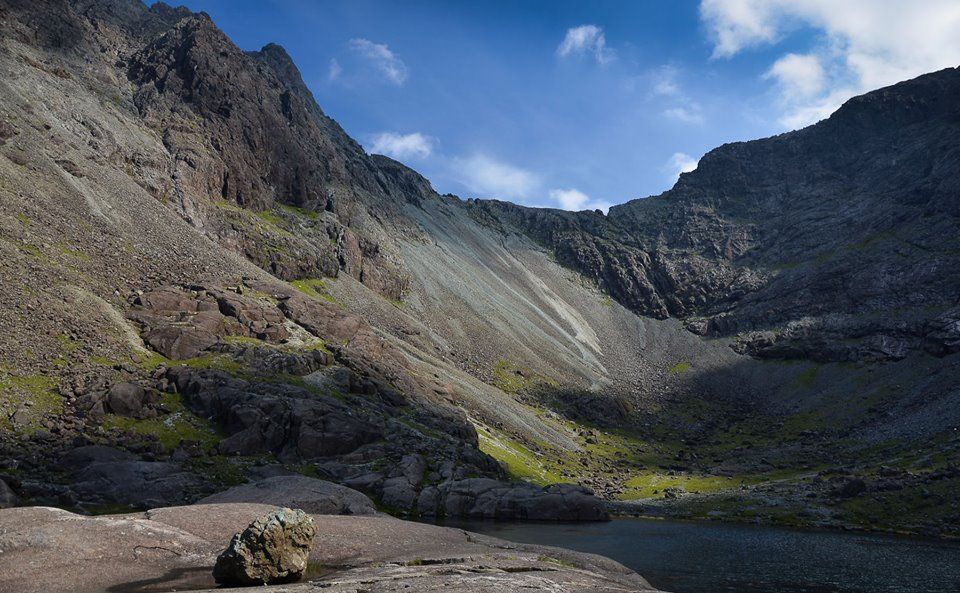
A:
(273, 549)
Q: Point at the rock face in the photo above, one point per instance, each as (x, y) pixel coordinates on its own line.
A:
(311, 495)
(273, 549)
(801, 244)
(482, 498)
(175, 548)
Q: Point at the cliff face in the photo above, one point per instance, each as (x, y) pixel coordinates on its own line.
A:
(830, 243)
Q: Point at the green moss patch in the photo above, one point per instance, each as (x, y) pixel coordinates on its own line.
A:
(652, 485)
(313, 288)
(28, 398)
(171, 429)
(510, 378)
(521, 462)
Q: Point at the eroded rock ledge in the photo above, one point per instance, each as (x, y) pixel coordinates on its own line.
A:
(51, 551)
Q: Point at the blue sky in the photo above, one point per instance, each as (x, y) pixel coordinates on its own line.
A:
(585, 104)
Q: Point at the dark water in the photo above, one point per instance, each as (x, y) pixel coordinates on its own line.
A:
(689, 557)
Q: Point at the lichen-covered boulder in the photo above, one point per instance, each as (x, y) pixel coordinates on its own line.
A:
(273, 549)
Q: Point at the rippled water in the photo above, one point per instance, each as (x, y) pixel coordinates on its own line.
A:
(689, 557)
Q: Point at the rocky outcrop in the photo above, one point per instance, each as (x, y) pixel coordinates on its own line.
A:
(273, 549)
(181, 323)
(175, 549)
(316, 497)
(482, 498)
(102, 475)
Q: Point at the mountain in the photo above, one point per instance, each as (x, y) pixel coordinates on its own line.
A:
(205, 280)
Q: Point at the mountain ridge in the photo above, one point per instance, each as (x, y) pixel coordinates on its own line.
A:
(172, 202)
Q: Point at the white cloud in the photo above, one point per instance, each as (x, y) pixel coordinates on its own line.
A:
(665, 81)
(678, 105)
(688, 115)
(737, 24)
(679, 163)
(586, 39)
(489, 178)
(382, 58)
(569, 199)
(799, 76)
(864, 44)
(804, 113)
(576, 200)
(335, 70)
(401, 146)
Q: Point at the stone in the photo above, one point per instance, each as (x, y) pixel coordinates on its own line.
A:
(126, 399)
(172, 549)
(273, 549)
(314, 496)
(137, 483)
(852, 487)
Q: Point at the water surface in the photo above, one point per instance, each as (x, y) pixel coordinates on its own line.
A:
(691, 557)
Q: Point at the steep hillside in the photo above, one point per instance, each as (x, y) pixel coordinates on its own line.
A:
(204, 279)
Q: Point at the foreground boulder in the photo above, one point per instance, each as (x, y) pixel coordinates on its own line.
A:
(273, 549)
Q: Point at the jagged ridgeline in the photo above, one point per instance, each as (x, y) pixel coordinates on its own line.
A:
(204, 280)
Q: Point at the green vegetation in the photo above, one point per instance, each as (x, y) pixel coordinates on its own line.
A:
(31, 249)
(557, 561)
(520, 461)
(313, 288)
(510, 378)
(225, 471)
(808, 377)
(652, 484)
(270, 217)
(243, 340)
(179, 424)
(220, 362)
(151, 360)
(311, 214)
(27, 399)
(680, 367)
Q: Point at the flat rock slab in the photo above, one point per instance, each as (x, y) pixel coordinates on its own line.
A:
(46, 550)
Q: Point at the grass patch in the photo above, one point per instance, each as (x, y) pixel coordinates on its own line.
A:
(311, 214)
(269, 217)
(39, 390)
(243, 340)
(651, 485)
(218, 362)
(313, 288)
(520, 461)
(680, 367)
(223, 470)
(510, 378)
(170, 430)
